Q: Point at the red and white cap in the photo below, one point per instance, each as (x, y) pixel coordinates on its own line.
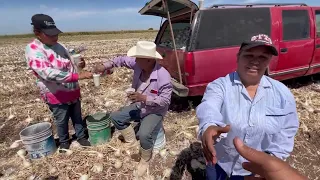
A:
(259, 40)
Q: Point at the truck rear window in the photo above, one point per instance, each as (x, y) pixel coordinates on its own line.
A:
(219, 28)
(181, 31)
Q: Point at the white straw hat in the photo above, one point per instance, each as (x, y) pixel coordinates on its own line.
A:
(144, 49)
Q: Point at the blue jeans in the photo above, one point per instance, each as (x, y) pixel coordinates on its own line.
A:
(149, 125)
(215, 172)
(62, 113)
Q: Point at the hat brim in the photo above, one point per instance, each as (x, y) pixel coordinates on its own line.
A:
(133, 53)
(246, 46)
(51, 31)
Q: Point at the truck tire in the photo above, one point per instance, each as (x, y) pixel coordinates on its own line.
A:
(180, 104)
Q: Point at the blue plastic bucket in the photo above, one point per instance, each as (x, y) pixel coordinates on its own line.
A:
(38, 140)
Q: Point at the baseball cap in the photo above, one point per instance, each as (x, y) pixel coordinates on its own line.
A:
(45, 23)
(259, 40)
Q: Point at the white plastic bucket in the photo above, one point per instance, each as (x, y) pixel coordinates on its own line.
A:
(160, 141)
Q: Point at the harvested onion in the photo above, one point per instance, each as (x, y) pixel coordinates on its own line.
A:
(173, 152)
(117, 153)
(22, 153)
(167, 172)
(117, 164)
(52, 169)
(97, 168)
(11, 116)
(26, 163)
(188, 135)
(163, 153)
(84, 177)
(15, 144)
(68, 151)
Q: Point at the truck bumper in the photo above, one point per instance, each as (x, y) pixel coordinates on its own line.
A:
(188, 90)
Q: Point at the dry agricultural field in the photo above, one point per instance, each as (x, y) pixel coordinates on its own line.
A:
(20, 98)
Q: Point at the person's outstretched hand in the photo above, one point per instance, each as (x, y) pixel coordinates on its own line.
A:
(208, 138)
(85, 75)
(99, 68)
(268, 167)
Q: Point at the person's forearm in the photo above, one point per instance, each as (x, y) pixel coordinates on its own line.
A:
(55, 75)
(121, 61)
(208, 112)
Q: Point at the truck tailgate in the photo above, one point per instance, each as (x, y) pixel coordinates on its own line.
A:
(170, 63)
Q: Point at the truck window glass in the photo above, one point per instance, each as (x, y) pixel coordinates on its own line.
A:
(296, 24)
(219, 28)
(318, 22)
(181, 31)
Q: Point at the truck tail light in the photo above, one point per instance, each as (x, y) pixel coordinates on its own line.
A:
(189, 64)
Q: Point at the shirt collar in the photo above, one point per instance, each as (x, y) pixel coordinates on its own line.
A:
(154, 73)
(264, 81)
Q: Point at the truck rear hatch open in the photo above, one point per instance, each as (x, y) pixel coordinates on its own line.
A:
(175, 7)
(170, 9)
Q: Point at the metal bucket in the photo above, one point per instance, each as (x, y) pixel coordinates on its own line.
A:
(38, 140)
(99, 128)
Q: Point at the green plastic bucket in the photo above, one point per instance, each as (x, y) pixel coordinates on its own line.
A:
(99, 128)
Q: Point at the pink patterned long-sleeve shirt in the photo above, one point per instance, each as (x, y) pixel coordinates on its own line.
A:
(57, 76)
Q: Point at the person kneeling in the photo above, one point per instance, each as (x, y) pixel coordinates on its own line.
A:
(150, 101)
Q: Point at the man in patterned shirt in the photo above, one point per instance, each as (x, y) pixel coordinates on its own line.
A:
(57, 77)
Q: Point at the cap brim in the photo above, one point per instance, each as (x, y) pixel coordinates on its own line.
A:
(133, 53)
(51, 32)
(246, 46)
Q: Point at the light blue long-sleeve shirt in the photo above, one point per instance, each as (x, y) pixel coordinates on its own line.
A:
(269, 122)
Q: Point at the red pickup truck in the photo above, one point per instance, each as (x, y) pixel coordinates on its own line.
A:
(207, 40)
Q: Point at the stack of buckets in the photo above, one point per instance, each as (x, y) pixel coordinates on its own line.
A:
(99, 128)
(38, 140)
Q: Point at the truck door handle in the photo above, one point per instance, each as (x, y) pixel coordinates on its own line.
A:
(284, 50)
(317, 46)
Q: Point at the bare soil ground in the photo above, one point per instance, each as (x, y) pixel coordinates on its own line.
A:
(19, 96)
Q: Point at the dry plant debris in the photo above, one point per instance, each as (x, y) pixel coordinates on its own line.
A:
(20, 106)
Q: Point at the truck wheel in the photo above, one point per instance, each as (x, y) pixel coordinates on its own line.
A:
(179, 104)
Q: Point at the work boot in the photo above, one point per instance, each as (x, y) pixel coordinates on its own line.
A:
(84, 142)
(144, 161)
(65, 145)
(129, 136)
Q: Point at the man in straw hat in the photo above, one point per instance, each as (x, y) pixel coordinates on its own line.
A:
(150, 100)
